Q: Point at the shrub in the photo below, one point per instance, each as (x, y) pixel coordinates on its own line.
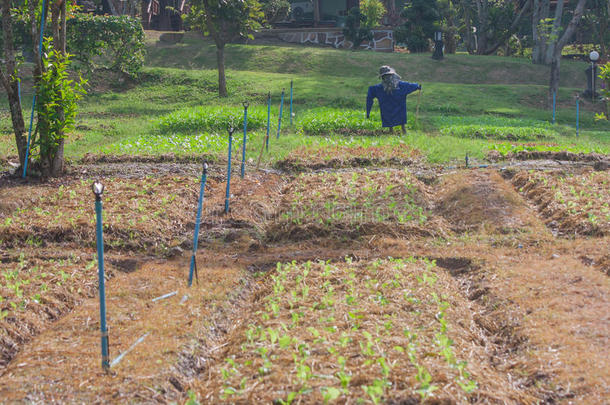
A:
(322, 121)
(197, 119)
(373, 11)
(111, 42)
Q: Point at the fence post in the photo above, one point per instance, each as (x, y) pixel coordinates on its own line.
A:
(577, 115)
(279, 121)
(268, 120)
(243, 147)
(554, 105)
(228, 194)
(98, 190)
(291, 103)
(193, 268)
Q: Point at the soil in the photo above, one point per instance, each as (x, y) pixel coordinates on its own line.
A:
(526, 278)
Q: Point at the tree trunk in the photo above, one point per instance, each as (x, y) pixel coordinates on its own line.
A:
(539, 50)
(63, 21)
(558, 47)
(483, 15)
(554, 37)
(10, 81)
(222, 80)
(316, 12)
(554, 80)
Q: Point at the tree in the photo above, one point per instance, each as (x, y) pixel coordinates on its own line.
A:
(225, 21)
(355, 29)
(494, 22)
(421, 21)
(551, 34)
(448, 13)
(548, 41)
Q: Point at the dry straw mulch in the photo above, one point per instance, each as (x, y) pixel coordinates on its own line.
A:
(573, 204)
(391, 331)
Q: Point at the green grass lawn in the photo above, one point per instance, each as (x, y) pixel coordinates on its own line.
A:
(470, 104)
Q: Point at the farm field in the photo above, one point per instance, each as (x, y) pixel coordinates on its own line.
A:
(354, 266)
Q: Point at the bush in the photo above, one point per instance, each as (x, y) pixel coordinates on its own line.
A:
(373, 11)
(275, 10)
(322, 121)
(198, 119)
(110, 42)
(421, 21)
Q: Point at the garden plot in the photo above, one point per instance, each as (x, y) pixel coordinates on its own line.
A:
(572, 204)
(348, 204)
(391, 331)
(148, 215)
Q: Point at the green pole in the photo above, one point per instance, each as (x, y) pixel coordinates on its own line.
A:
(197, 223)
(98, 190)
(279, 122)
(228, 193)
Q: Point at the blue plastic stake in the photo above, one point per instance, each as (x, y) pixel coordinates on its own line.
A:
(98, 190)
(279, 121)
(27, 150)
(291, 103)
(554, 105)
(19, 91)
(268, 120)
(228, 194)
(243, 146)
(204, 176)
(577, 114)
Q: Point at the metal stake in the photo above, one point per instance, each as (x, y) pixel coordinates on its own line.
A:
(554, 105)
(243, 147)
(279, 121)
(98, 190)
(228, 194)
(193, 268)
(577, 114)
(291, 103)
(268, 121)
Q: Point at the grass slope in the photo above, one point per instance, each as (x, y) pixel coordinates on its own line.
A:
(462, 95)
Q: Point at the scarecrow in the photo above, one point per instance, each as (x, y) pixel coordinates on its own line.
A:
(392, 96)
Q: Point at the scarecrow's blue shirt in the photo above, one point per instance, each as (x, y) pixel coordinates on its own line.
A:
(393, 106)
